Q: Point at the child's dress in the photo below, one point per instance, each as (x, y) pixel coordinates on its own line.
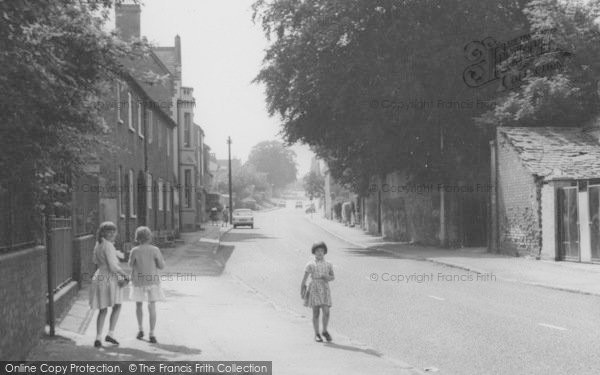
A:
(318, 289)
(145, 261)
(105, 291)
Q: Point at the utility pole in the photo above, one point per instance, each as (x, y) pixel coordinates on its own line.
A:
(230, 194)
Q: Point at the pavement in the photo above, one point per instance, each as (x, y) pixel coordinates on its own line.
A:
(212, 315)
(582, 278)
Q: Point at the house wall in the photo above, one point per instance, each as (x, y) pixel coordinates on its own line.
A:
(518, 204)
(160, 168)
(187, 161)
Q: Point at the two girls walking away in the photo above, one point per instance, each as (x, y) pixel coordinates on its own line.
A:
(109, 279)
(317, 294)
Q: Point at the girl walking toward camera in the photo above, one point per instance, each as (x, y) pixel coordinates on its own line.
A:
(105, 290)
(145, 260)
(317, 295)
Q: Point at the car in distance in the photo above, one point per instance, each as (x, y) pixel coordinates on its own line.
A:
(281, 204)
(242, 216)
(299, 204)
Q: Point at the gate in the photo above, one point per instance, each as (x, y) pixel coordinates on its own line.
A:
(61, 238)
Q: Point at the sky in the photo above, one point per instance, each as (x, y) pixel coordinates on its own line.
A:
(222, 52)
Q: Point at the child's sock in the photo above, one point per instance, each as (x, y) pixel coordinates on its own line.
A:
(111, 333)
(151, 333)
(99, 337)
(140, 329)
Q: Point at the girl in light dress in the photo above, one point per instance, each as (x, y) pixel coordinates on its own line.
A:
(145, 260)
(318, 295)
(105, 290)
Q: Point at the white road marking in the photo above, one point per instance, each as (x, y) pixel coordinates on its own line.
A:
(552, 326)
(438, 298)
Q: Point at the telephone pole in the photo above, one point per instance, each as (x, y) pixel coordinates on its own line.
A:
(230, 194)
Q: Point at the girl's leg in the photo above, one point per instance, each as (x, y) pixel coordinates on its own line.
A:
(152, 312)
(100, 323)
(316, 319)
(114, 317)
(325, 317)
(139, 314)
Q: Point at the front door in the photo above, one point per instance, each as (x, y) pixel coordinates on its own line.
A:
(594, 205)
(568, 224)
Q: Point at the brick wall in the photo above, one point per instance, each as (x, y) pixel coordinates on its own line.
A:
(518, 204)
(22, 301)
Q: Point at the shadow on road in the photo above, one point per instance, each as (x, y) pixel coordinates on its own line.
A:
(357, 251)
(353, 349)
(60, 348)
(237, 236)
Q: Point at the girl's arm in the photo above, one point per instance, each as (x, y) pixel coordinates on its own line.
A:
(304, 279)
(160, 261)
(113, 261)
(132, 258)
(303, 284)
(331, 276)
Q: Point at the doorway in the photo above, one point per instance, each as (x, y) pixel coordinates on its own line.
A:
(568, 224)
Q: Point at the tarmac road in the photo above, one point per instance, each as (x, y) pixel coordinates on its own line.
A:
(431, 316)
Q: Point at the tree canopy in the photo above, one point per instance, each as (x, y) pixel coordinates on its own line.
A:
(276, 161)
(314, 185)
(373, 86)
(568, 94)
(55, 62)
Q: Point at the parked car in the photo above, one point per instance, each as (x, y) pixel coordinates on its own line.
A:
(242, 216)
(281, 204)
(299, 204)
(311, 209)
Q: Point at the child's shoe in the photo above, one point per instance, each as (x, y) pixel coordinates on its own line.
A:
(327, 336)
(111, 340)
(152, 339)
(140, 335)
(318, 338)
(97, 344)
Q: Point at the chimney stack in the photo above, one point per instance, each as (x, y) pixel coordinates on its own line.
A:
(178, 56)
(128, 22)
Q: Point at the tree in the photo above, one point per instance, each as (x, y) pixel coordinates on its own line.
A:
(314, 185)
(332, 66)
(276, 161)
(55, 63)
(567, 95)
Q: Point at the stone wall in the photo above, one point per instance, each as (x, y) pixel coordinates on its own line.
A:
(518, 204)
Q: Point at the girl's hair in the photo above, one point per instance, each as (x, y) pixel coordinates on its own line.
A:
(317, 245)
(143, 235)
(104, 228)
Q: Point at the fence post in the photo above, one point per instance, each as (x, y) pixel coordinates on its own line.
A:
(50, 272)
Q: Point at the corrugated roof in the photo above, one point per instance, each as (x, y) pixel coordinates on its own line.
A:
(556, 153)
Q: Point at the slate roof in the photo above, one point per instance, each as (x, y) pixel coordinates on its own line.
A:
(556, 153)
(167, 56)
